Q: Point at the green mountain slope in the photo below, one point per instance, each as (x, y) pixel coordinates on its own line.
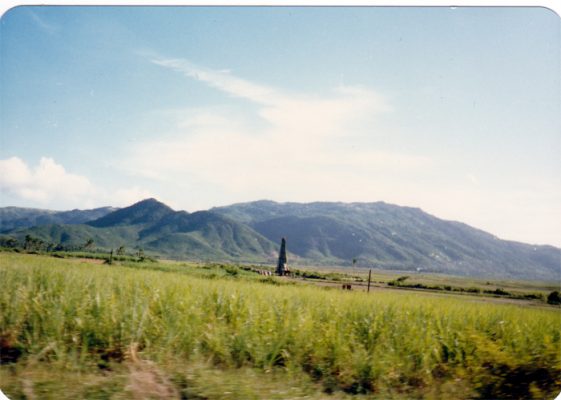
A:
(144, 212)
(74, 236)
(156, 228)
(375, 234)
(389, 236)
(205, 235)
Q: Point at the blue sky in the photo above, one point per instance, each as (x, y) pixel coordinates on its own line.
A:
(453, 110)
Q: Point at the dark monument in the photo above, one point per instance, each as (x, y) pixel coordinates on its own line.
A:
(282, 268)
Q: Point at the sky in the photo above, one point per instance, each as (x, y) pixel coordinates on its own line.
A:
(456, 110)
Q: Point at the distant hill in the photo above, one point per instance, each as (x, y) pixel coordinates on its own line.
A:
(377, 235)
(206, 235)
(144, 212)
(19, 217)
(389, 236)
(155, 227)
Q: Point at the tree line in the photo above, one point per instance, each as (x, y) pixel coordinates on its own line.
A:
(33, 244)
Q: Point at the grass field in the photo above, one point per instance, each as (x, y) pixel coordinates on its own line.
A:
(82, 329)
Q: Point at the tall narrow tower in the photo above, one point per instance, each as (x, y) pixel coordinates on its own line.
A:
(281, 265)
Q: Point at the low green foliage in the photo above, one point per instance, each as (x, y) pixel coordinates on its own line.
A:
(497, 292)
(82, 315)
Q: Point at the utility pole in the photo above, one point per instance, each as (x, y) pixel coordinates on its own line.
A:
(369, 276)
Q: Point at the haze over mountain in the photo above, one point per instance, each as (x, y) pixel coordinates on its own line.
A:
(326, 233)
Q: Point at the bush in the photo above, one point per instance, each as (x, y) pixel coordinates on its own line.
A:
(533, 296)
(498, 292)
(311, 275)
(554, 298)
(230, 270)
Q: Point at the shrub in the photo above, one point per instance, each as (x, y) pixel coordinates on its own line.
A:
(498, 292)
(554, 298)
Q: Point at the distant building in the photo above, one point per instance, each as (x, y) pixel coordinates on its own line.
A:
(282, 267)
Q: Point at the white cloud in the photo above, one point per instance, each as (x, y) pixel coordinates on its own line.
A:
(304, 147)
(48, 182)
(49, 185)
(291, 112)
(222, 80)
(296, 147)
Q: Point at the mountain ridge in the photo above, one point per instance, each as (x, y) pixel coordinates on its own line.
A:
(21, 217)
(156, 228)
(375, 234)
(396, 237)
(142, 212)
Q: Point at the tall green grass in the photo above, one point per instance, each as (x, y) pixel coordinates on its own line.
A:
(85, 314)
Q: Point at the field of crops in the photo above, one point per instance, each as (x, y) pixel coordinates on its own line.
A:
(75, 329)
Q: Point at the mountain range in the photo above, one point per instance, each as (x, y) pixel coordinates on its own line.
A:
(19, 217)
(376, 235)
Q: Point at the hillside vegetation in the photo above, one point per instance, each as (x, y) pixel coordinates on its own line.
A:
(377, 235)
(158, 230)
(393, 237)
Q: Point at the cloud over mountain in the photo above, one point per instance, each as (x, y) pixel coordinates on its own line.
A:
(306, 143)
(49, 184)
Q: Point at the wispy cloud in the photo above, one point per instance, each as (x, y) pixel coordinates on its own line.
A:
(222, 80)
(293, 111)
(49, 184)
(296, 146)
(47, 27)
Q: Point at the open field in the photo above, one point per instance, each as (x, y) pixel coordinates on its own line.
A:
(71, 328)
(529, 293)
(384, 276)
